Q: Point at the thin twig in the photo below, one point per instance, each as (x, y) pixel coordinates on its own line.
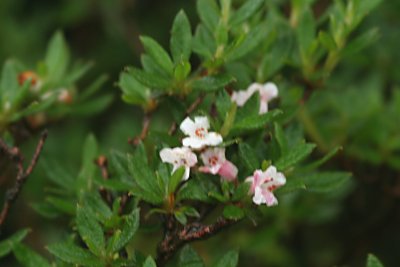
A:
(22, 175)
(145, 130)
(189, 110)
(174, 240)
(102, 162)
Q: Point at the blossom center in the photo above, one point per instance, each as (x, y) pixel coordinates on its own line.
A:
(213, 160)
(200, 132)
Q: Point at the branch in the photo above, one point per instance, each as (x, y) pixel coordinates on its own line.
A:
(102, 162)
(145, 130)
(15, 155)
(193, 106)
(173, 240)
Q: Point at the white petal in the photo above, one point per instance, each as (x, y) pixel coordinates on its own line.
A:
(202, 122)
(193, 142)
(188, 127)
(213, 139)
(167, 155)
(272, 89)
(263, 107)
(186, 174)
(240, 97)
(271, 171)
(258, 197)
(191, 158)
(269, 91)
(253, 88)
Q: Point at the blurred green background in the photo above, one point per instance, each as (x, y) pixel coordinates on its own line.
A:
(359, 110)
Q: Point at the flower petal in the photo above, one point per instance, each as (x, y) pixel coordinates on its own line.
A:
(258, 197)
(228, 171)
(188, 127)
(202, 122)
(213, 139)
(195, 143)
(167, 155)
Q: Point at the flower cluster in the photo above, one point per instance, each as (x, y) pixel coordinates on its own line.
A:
(200, 139)
(267, 91)
(214, 161)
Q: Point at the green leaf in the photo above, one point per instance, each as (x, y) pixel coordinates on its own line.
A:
(360, 42)
(323, 182)
(78, 70)
(321, 161)
(57, 57)
(90, 230)
(241, 192)
(189, 258)
(197, 189)
(294, 155)
(255, 122)
(373, 261)
(245, 12)
(145, 177)
(88, 169)
(121, 237)
(280, 137)
(291, 185)
(327, 41)
(9, 81)
(149, 262)
(229, 120)
(248, 156)
(230, 259)
(175, 179)
(223, 103)
(57, 174)
(182, 70)
(366, 6)
(28, 257)
(151, 66)
(209, 13)
(306, 31)
(93, 87)
(190, 211)
(73, 254)
(181, 38)
(157, 53)
(134, 92)
(252, 39)
(212, 83)
(148, 79)
(278, 53)
(181, 217)
(62, 204)
(91, 107)
(203, 42)
(233, 212)
(96, 204)
(7, 245)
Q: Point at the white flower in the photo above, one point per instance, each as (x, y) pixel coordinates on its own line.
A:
(215, 163)
(179, 156)
(197, 131)
(264, 183)
(267, 91)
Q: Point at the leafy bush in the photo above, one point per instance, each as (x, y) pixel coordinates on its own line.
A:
(242, 112)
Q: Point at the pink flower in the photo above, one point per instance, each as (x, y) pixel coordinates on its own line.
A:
(198, 133)
(267, 91)
(215, 163)
(179, 156)
(264, 183)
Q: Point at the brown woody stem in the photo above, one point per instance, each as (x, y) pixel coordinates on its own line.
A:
(15, 154)
(175, 239)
